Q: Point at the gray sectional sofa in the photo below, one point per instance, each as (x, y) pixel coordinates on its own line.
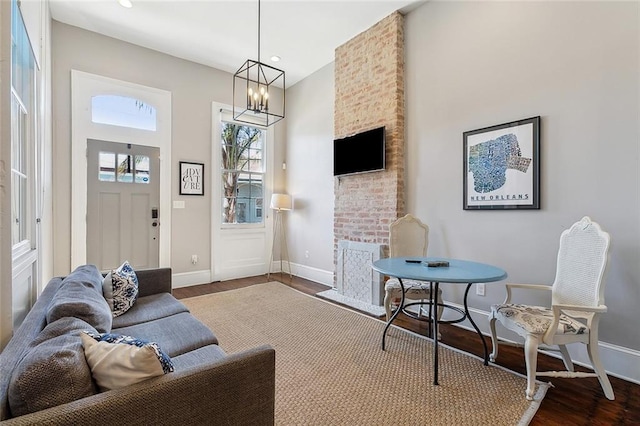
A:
(45, 378)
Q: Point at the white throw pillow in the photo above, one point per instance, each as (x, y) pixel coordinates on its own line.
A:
(118, 361)
(120, 289)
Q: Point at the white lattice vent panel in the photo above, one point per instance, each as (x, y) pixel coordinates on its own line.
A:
(355, 277)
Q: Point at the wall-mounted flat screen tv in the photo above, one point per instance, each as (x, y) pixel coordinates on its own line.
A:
(359, 153)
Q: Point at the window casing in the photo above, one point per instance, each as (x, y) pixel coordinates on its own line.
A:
(243, 173)
(23, 137)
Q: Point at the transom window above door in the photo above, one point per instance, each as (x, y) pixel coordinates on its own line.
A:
(123, 111)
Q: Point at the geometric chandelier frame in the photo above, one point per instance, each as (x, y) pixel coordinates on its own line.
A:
(254, 101)
(253, 98)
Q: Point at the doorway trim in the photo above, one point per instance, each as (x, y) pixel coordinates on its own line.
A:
(83, 87)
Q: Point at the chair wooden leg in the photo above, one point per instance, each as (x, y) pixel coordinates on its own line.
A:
(566, 358)
(594, 356)
(531, 359)
(494, 340)
(387, 304)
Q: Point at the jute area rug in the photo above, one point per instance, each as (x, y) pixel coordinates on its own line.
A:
(330, 369)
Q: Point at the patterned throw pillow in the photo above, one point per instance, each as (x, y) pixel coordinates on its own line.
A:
(120, 288)
(117, 361)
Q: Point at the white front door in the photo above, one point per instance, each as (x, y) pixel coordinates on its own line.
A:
(123, 215)
(103, 109)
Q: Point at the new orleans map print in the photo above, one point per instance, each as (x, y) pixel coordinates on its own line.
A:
(501, 168)
(489, 161)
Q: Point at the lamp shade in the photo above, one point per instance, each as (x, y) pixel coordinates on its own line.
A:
(281, 202)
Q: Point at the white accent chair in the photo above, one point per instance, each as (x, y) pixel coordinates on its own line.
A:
(577, 300)
(408, 237)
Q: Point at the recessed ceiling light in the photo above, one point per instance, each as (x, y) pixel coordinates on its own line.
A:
(126, 3)
(275, 58)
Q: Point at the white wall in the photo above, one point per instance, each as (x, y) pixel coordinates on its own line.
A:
(309, 175)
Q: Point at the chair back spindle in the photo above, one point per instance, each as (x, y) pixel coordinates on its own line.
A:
(582, 259)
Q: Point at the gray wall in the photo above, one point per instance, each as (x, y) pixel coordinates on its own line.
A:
(470, 65)
(310, 171)
(193, 88)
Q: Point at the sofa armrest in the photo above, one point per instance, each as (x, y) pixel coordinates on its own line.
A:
(153, 281)
(236, 390)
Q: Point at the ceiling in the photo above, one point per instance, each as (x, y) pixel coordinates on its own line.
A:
(223, 34)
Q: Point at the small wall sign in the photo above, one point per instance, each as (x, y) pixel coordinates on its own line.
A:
(191, 178)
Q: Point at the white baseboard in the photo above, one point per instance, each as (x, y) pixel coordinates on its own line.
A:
(187, 279)
(307, 272)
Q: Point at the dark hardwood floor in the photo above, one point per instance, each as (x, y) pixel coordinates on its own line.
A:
(569, 402)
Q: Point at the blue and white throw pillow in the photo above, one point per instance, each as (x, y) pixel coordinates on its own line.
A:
(120, 289)
(117, 361)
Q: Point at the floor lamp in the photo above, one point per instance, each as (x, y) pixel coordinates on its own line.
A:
(280, 203)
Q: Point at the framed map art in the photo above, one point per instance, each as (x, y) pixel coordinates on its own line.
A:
(502, 166)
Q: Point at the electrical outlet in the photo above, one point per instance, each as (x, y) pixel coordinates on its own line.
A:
(480, 289)
(194, 258)
(306, 254)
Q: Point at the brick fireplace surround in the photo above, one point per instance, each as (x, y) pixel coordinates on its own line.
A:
(369, 93)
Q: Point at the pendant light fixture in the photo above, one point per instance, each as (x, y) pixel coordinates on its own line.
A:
(255, 100)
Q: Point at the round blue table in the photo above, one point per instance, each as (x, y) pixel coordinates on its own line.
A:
(458, 272)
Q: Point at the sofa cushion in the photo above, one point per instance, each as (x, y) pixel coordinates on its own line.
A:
(80, 296)
(117, 361)
(176, 334)
(65, 325)
(150, 308)
(120, 288)
(23, 337)
(53, 371)
(198, 357)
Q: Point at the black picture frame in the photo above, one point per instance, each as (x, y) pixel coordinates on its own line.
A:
(501, 166)
(191, 178)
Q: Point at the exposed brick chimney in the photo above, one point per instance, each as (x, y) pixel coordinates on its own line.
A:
(369, 85)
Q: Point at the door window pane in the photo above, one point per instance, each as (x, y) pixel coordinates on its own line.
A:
(142, 169)
(107, 166)
(125, 168)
